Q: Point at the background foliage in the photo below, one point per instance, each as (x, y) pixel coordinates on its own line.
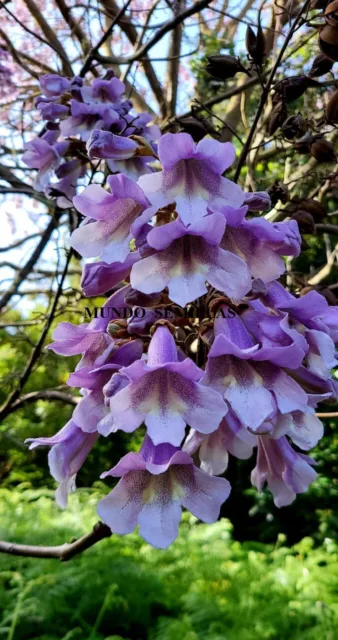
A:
(206, 586)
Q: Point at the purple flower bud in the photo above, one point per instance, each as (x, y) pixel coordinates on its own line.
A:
(69, 449)
(285, 471)
(54, 85)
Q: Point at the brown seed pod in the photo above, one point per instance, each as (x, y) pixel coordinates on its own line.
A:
(328, 42)
(320, 66)
(292, 88)
(294, 127)
(303, 145)
(331, 13)
(197, 128)
(305, 221)
(323, 151)
(278, 192)
(223, 67)
(278, 116)
(318, 4)
(314, 207)
(255, 44)
(332, 109)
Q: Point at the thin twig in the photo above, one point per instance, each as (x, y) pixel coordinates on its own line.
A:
(266, 90)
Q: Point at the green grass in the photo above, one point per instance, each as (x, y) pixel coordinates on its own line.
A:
(205, 587)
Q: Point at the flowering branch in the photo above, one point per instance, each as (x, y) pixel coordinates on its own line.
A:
(170, 234)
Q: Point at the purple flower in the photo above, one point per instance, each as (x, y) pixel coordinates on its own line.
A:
(155, 484)
(321, 351)
(164, 394)
(304, 429)
(214, 449)
(260, 243)
(141, 320)
(90, 410)
(318, 389)
(119, 152)
(90, 339)
(257, 201)
(274, 338)
(254, 390)
(133, 168)
(312, 309)
(139, 126)
(85, 117)
(99, 277)
(64, 190)
(110, 216)
(285, 471)
(186, 258)
(39, 154)
(54, 85)
(192, 176)
(69, 449)
(103, 144)
(50, 110)
(104, 91)
(95, 375)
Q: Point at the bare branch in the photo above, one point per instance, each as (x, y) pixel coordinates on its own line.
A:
(131, 32)
(174, 64)
(167, 27)
(5, 410)
(51, 36)
(327, 228)
(18, 243)
(62, 552)
(26, 269)
(93, 53)
(44, 394)
(266, 90)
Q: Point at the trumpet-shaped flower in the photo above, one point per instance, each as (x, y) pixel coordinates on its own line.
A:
(192, 176)
(155, 484)
(165, 394)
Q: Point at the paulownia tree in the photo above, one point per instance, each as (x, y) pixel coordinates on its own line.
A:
(183, 150)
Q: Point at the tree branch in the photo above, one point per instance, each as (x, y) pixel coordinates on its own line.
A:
(174, 64)
(167, 27)
(6, 408)
(25, 270)
(18, 243)
(327, 228)
(63, 552)
(44, 394)
(266, 90)
(131, 32)
(93, 53)
(51, 36)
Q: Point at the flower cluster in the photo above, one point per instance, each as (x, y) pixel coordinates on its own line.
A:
(85, 123)
(181, 234)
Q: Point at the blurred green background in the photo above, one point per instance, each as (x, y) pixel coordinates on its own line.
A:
(259, 573)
